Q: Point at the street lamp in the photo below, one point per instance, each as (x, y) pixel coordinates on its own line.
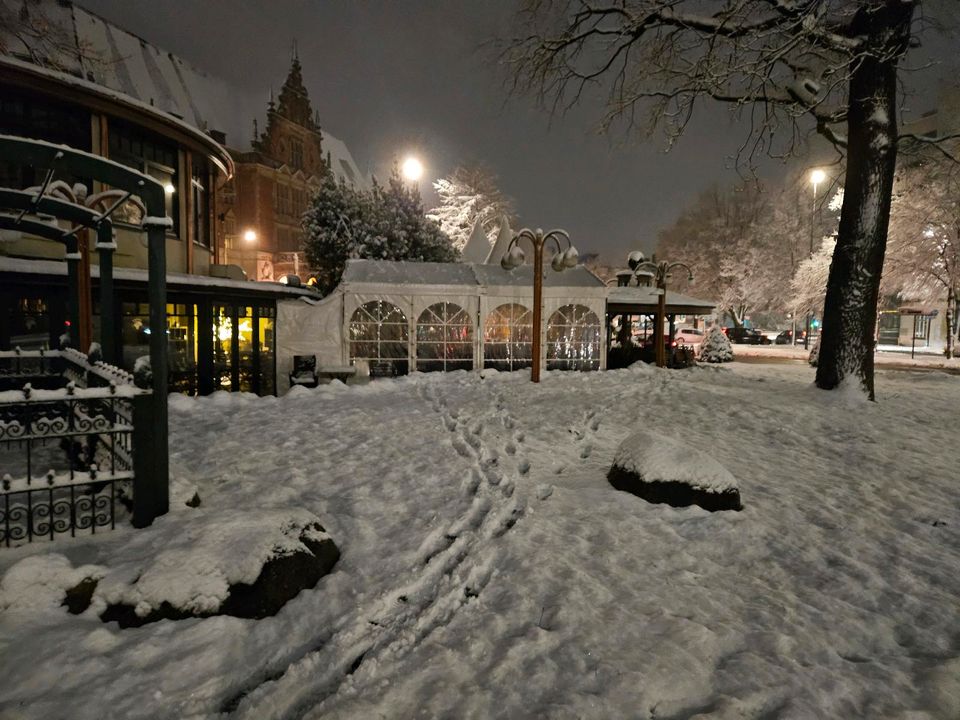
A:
(412, 169)
(817, 176)
(662, 271)
(250, 236)
(562, 259)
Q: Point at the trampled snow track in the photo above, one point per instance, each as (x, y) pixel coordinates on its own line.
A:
(455, 563)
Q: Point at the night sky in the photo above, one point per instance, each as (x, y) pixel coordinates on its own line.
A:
(391, 78)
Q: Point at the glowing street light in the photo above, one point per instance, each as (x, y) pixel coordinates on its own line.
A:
(817, 176)
(169, 189)
(250, 236)
(412, 169)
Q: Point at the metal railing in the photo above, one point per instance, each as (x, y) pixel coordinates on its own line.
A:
(68, 454)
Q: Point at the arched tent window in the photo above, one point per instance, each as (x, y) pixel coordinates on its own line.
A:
(573, 339)
(444, 338)
(379, 334)
(507, 338)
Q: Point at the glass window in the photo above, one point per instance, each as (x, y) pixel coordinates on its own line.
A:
(267, 350)
(201, 210)
(573, 339)
(29, 324)
(222, 347)
(151, 154)
(444, 338)
(379, 334)
(508, 337)
(182, 338)
(32, 116)
(134, 332)
(245, 348)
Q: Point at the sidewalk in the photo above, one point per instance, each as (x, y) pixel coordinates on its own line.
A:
(886, 356)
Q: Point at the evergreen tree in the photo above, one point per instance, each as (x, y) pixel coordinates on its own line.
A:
(716, 347)
(385, 223)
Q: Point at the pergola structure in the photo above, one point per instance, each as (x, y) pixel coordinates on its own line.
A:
(36, 213)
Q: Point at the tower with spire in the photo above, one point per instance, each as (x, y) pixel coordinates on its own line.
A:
(292, 134)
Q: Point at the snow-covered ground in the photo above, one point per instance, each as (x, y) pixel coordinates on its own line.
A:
(490, 571)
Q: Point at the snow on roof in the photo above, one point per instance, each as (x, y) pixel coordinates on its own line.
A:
(391, 272)
(342, 163)
(56, 267)
(129, 67)
(648, 296)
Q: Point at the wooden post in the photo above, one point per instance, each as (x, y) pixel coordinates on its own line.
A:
(658, 322)
(537, 306)
(157, 295)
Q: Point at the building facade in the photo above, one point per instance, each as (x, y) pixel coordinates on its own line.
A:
(274, 182)
(69, 77)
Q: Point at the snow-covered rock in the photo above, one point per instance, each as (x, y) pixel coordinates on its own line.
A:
(716, 347)
(245, 564)
(661, 469)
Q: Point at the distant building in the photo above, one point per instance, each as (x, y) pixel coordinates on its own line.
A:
(70, 77)
(275, 179)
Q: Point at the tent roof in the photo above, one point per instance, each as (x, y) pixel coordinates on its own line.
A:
(625, 298)
(391, 272)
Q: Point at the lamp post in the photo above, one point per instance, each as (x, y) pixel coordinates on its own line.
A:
(514, 257)
(817, 176)
(662, 272)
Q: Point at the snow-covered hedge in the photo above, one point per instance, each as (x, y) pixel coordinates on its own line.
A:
(716, 347)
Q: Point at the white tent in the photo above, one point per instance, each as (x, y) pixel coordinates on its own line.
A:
(405, 316)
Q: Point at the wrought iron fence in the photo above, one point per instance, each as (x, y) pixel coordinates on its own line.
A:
(67, 454)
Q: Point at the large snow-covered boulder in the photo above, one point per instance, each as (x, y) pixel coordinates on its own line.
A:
(246, 564)
(660, 469)
(716, 347)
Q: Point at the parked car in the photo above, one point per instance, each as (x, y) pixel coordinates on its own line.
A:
(785, 337)
(689, 336)
(746, 336)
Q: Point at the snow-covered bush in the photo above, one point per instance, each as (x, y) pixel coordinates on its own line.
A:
(716, 347)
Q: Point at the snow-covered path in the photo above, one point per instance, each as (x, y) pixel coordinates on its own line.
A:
(489, 569)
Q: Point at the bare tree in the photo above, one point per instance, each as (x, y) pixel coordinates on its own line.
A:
(27, 32)
(790, 67)
(924, 242)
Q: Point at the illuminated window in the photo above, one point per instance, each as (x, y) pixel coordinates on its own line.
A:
(573, 339)
(507, 338)
(444, 338)
(379, 334)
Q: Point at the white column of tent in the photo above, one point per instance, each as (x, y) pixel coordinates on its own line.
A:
(480, 316)
(411, 334)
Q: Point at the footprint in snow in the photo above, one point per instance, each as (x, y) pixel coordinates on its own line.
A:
(586, 452)
(523, 467)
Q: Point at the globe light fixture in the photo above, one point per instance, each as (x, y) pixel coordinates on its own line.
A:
(412, 169)
(562, 259)
(250, 236)
(169, 189)
(817, 176)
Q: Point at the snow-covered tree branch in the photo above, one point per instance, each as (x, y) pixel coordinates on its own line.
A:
(470, 193)
(789, 68)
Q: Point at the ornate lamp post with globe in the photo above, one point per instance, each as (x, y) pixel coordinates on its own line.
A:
(562, 259)
(662, 271)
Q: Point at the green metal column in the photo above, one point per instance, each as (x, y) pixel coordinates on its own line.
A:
(73, 289)
(156, 225)
(108, 312)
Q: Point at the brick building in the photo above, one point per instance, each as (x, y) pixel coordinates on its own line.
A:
(274, 181)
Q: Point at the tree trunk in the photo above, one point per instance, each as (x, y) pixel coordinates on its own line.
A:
(850, 309)
(951, 322)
